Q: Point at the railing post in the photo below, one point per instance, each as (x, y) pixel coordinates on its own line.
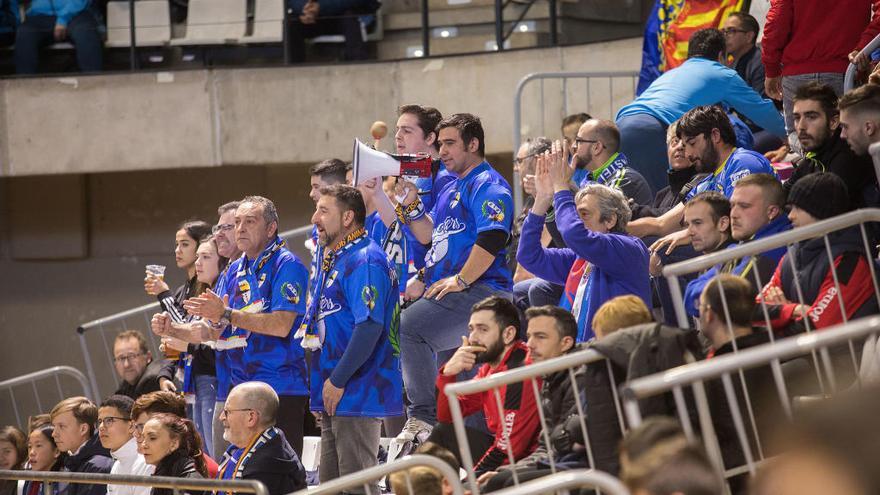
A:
(426, 30)
(285, 35)
(499, 25)
(87, 357)
(132, 49)
(554, 28)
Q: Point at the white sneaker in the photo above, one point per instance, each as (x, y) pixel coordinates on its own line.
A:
(415, 432)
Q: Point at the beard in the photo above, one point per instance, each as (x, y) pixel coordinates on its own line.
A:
(708, 161)
(492, 353)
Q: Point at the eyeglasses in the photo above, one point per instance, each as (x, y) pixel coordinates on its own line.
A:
(578, 140)
(732, 30)
(225, 412)
(127, 357)
(109, 421)
(222, 227)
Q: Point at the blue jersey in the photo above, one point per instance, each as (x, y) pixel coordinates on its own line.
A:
(360, 287)
(479, 202)
(276, 281)
(221, 364)
(739, 164)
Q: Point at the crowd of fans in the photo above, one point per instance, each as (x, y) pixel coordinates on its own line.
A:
(413, 286)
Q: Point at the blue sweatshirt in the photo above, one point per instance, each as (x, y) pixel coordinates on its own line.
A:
(765, 263)
(63, 10)
(619, 261)
(699, 81)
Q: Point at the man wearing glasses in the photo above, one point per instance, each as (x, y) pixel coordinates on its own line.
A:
(134, 363)
(597, 150)
(115, 432)
(258, 451)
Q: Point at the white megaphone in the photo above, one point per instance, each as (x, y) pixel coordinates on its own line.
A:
(368, 163)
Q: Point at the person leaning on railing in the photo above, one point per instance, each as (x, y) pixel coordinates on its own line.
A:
(172, 444)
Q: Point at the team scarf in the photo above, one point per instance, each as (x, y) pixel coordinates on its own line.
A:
(235, 337)
(611, 175)
(395, 246)
(232, 468)
(312, 339)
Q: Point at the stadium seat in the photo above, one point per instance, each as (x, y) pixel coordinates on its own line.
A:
(152, 18)
(268, 22)
(214, 22)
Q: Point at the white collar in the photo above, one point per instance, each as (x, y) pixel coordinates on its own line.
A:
(127, 453)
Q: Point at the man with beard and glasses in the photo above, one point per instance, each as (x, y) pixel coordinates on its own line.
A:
(709, 143)
(492, 341)
(817, 124)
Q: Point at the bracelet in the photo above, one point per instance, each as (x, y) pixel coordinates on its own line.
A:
(420, 275)
(410, 213)
(461, 283)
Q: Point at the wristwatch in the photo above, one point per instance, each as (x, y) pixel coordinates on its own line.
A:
(461, 283)
(226, 319)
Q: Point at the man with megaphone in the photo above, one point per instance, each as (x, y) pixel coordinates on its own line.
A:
(468, 228)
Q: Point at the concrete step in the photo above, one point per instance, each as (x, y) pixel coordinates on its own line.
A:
(408, 46)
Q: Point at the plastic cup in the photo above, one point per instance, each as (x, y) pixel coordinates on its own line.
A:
(157, 271)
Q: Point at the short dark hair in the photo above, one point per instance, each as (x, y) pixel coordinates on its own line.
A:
(865, 98)
(706, 43)
(133, 334)
(701, 120)
(159, 402)
(774, 193)
(122, 403)
(348, 198)
(739, 295)
(196, 229)
(230, 206)
(428, 118)
(719, 204)
(654, 430)
(609, 134)
(822, 93)
(469, 126)
(565, 322)
(506, 314)
(576, 118)
(749, 23)
(331, 170)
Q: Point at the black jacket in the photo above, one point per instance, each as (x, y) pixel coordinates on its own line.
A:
(91, 458)
(680, 184)
(836, 157)
(177, 465)
(149, 380)
(277, 466)
(204, 359)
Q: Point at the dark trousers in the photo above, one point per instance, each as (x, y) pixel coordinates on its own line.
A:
(37, 32)
(291, 415)
(349, 26)
(505, 479)
(478, 441)
(643, 141)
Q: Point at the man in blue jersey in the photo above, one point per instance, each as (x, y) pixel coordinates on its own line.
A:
(702, 79)
(264, 298)
(352, 325)
(468, 229)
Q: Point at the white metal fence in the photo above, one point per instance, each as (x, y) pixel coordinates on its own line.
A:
(35, 393)
(178, 485)
(367, 478)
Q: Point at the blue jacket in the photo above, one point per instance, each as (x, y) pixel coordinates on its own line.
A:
(765, 263)
(699, 81)
(620, 261)
(63, 10)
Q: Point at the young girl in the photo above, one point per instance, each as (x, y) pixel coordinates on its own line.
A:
(43, 455)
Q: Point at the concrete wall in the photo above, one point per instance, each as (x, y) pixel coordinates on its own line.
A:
(73, 244)
(204, 118)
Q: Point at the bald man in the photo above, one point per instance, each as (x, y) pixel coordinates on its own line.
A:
(258, 450)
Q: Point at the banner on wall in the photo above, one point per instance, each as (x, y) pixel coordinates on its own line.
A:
(669, 27)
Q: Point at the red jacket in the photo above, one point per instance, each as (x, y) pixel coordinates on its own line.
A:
(809, 36)
(521, 423)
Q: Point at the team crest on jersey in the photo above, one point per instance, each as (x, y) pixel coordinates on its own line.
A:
(369, 296)
(493, 211)
(262, 279)
(291, 292)
(455, 200)
(328, 307)
(245, 289)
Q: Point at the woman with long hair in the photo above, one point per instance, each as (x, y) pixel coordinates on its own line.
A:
(13, 454)
(172, 444)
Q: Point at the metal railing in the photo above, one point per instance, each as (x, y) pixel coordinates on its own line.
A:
(31, 379)
(696, 375)
(108, 326)
(569, 362)
(176, 484)
(579, 478)
(849, 79)
(591, 98)
(368, 476)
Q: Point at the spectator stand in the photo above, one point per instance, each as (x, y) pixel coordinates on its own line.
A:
(96, 336)
(41, 402)
(561, 482)
(527, 375)
(557, 95)
(695, 376)
(179, 485)
(367, 476)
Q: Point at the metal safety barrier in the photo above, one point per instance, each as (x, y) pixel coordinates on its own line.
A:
(40, 403)
(369, 476)
(849, 79)
(698, 375)
(579, 478)
(578, 91)
(530, 373)
(135, 318)
(176, 484)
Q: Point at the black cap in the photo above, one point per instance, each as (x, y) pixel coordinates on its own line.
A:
(822, 195)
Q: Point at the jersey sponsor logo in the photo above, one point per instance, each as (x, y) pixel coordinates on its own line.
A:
(493, 211)
(291, 292)
(369, 295)
(440, 239)
(736, 176)
(822, 305)
(328, 307)
(244, 286)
